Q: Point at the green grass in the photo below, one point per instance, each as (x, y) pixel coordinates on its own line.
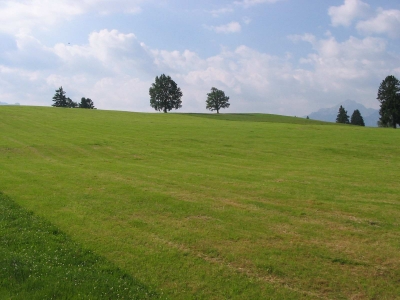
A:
(204, 207)
(38, 261)
(254, 117)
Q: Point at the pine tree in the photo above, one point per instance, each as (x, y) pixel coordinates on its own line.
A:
(342, 116)
(389, 96)
(217, 100)
(59, 98)
(357, 119)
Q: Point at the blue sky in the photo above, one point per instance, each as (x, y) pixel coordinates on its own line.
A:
(287, 57)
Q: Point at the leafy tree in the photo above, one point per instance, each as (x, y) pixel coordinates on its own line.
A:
(342, 116)
(217, 100)
(59, 98)
(389, 97)
(165, 94)
(86, 103)
(70, 103)
(357, 119)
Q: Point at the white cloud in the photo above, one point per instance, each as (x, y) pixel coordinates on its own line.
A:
(348, 70)
(386, 22)
(345, 14)
(19, 16)
(232, 27)
(110, 49)
(257, 81)
(25, 15)
(175, 60)
(114, 69)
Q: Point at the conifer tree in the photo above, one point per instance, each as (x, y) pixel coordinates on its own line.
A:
(59, 98)
(342, 116)
(357, 119)
(389, 97)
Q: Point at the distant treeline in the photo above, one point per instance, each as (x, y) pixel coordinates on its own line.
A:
(166, 95)
(388, 96)
(60, 100)
(356, 118)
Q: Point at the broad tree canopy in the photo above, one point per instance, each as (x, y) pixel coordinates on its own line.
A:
(86, 103)
(216, 100)
(165, 94)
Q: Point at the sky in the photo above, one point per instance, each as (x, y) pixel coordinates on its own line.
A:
(288, 57)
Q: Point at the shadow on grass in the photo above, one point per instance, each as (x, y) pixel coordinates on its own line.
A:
(38, 261)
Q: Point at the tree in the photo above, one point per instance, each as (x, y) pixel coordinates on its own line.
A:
(70, 103)
(217, 100)
(389, 97)
(165, 94)
(86, 103)
(342, 116)
(357, 119)
(59, 98)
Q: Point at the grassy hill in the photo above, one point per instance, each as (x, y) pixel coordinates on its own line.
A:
(214, 206)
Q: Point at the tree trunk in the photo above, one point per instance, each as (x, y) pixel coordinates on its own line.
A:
(217, 111)
(165, 110)
(394, 122)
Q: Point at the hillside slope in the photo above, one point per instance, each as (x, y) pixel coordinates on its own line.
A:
(196, 207)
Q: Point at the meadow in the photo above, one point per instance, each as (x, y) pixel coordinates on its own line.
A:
(201, 206)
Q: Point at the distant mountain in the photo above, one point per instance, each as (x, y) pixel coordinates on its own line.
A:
(372, 120)
(370, 115)
(3, 103)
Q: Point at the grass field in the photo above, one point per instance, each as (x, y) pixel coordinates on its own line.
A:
(38, 261)
(231, 206)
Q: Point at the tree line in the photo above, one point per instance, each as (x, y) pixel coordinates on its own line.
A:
(165, 95)
(60, 100)
(356, 118)
(388, 96)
